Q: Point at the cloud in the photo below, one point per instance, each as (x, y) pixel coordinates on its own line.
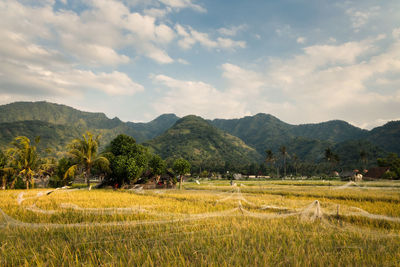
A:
(232, 31)
(195, 97)
(180, 4)
(189, 37)
(93, 37)
(359, 18)
(301, 40)
(354, 81)
(32, 66)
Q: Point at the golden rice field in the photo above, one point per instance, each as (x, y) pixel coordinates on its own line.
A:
(253, 223)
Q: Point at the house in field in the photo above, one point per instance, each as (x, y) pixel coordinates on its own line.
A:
(376, 173)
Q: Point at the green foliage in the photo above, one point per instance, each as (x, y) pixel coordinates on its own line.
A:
(128, 160)
(393, 162)
(24, 158)
(387, 136)
(84, 153)
(181, 166)
(157, 165)
(203, 145)
(3, 160)
(58, 124)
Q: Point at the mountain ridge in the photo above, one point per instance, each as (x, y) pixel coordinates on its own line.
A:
(260, 132)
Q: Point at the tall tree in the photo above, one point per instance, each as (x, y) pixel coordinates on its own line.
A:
(157, 166)
(364, 159)
(181, 167)
(84, 153)
(128, 160)
(284, 154)
(270, 158)
(24, 158)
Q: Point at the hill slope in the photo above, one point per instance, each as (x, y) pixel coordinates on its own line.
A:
(196, 140)
(75, 123)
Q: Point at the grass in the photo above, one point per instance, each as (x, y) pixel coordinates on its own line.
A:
(177, 228)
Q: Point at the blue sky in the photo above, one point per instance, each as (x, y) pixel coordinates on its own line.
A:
(302, 61)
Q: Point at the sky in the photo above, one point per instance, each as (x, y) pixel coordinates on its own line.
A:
(303, 61)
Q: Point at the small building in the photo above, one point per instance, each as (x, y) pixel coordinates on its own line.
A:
(376, 173)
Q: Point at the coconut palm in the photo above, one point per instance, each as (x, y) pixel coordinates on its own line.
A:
(24, 158)
(271, 159)
(84, 153)
(364, 158)
(285, 154)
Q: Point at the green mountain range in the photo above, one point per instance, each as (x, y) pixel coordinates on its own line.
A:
(238, 141)
(59, 124)
(194, 139)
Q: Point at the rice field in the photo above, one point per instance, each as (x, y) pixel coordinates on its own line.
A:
(252, 223)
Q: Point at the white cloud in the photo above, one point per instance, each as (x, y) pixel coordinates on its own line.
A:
(195, 97)
(301, 40)
(353, 81)
(396, 33)
(182, 61)
(189, 37)
(30, 68)
(180, 4)
(359, 18)
(93, 37)
(232, 31)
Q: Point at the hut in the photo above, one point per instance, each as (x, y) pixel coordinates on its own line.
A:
(376, 173)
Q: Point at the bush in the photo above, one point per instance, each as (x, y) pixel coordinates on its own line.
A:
(389, 175)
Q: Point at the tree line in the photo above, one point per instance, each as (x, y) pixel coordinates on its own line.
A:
(122, 162)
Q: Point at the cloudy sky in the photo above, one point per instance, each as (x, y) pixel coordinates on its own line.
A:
(302, 61)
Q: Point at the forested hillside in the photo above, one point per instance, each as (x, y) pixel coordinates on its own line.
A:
(200, 143)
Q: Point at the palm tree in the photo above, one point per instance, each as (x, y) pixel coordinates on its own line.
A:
(364, 159)
(271, 159)
(24, 158)
(84, 153)
(329, 157)
(284, 155)
(295, 163)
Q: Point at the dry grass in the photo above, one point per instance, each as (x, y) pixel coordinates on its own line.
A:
(213, 224)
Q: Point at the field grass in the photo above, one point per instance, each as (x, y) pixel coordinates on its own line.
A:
(267, 223)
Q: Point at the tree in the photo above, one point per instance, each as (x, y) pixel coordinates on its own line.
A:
(181, 167)
(270, 158)
(84, 153)
(128, 160)
(157, 166)
(24, 158)
(295, 163)
(393, 162)
(364, 159)
(4, 171)
(284, 155)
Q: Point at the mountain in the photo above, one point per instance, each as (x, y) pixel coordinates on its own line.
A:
(386, 136)
(153, 128)
(307, 141)
(51, 135)
(74, 122)
(334, 131)
(349, 153)
(56, 114)
(261, 131)
(59, 124)
(196, 140)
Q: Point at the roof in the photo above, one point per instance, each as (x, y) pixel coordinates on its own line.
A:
(376, 172)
